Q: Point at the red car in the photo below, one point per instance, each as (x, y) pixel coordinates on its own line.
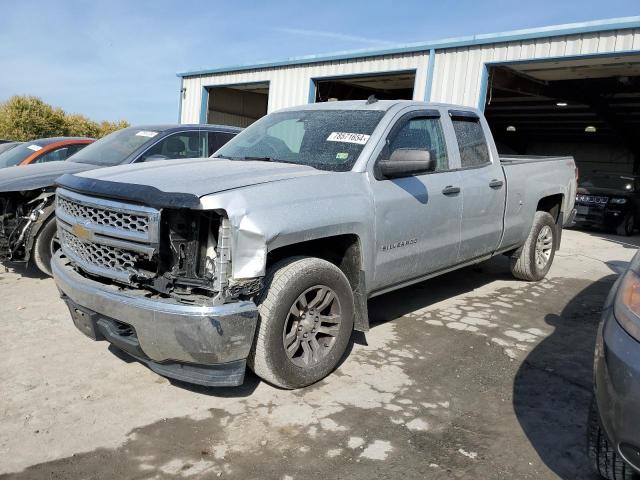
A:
(43, 150)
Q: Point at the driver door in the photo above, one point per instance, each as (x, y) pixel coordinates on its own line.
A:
(417, 218)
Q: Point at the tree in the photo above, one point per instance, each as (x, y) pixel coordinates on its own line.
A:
(26, 118)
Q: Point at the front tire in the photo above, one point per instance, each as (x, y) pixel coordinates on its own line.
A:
(45, 246)
(627, 226)
(533, 260)
(305, 322)
(604, 458)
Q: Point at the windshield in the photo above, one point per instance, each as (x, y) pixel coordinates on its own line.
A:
(16, 155)
(613, 182)
(114, 148)
(4, 147)
(323, 139)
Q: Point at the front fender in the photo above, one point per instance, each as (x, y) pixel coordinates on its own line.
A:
(270, 216)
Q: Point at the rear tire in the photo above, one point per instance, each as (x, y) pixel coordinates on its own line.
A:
(533, 260)
(627, 226)
(44, 246)
(298, 292)
(604, 458)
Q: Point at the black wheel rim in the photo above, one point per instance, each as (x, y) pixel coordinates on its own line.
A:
(312, 326)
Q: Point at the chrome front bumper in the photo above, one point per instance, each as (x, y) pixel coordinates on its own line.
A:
(167, 331)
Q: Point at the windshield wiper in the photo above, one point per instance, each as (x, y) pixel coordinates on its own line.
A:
(259, 159)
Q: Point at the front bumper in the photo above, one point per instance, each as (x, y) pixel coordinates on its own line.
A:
(602, 216)
(207, 345)
(617, 382)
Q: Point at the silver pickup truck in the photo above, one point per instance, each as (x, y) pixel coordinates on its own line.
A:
(267, 253)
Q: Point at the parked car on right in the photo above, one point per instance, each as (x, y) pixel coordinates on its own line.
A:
(614, 417)
(609, 201)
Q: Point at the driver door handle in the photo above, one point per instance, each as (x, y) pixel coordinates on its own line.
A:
(496, 184)
(450, 190)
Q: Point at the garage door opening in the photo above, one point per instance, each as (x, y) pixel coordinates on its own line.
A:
(588, 108)
(388, 86)
(237, 105)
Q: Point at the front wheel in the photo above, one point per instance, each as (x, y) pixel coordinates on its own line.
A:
(627, 226)
(305, 323)
(45, 245)
(533, 260)
(605, 459)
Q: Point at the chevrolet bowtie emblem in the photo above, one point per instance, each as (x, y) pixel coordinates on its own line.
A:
(81, 232)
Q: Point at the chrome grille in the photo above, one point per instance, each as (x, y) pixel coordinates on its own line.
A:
(101, 216)
(596, 199)
(106, 237)
(100, 257)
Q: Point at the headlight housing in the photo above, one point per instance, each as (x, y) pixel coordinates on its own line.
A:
(627, 305)
(618, 201)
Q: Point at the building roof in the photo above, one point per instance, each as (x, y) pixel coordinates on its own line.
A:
(481, 39)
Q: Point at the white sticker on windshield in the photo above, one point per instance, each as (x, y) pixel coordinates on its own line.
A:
(35, 148)
(359, 138)
(146, 133)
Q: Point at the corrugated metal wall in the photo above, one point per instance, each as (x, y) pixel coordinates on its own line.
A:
(457, 71)
(289, 86)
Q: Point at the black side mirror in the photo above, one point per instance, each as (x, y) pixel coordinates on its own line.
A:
(406, 162)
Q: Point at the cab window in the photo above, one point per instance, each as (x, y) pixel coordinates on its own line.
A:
(472, 143)
(420, 133)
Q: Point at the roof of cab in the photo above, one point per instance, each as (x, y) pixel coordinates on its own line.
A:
(47, 141)
(378, 105)
(187, 126)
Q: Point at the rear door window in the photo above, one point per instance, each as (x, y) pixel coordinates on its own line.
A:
(217, 140)
(474, 151)
(56, 155)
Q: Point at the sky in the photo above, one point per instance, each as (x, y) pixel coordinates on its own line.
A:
(112, 60)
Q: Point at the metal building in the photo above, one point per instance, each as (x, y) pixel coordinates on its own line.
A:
(566, 89)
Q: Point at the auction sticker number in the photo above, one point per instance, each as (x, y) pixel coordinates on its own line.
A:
(346, 137)
(35, 148)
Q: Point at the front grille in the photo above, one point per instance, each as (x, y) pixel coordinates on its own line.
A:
(100, 257)
(107, 238)
(104, 217)
(592, 199)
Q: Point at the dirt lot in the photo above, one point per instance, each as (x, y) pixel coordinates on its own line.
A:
(470, 375)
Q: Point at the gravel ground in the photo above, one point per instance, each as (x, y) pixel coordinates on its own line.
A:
(469, 375)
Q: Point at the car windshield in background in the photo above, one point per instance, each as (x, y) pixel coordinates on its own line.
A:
(612, 182)
(323, 139)
(114, 148)
(16, 155)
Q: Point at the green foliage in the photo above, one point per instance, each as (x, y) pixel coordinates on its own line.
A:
(27, 118)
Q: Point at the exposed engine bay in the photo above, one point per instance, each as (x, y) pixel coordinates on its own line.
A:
(21, 217)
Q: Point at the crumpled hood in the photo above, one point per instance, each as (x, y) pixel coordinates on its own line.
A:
(42, 175)
(201, 176)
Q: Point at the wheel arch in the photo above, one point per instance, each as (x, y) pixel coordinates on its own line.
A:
(345, 252)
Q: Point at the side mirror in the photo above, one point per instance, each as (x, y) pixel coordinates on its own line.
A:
(406, 162)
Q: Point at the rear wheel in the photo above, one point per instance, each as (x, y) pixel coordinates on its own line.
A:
(306, 319)
(533, 260)
(45, 245)
(603, 456)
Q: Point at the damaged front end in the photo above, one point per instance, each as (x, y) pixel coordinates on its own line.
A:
(21, 217)
(175, 253)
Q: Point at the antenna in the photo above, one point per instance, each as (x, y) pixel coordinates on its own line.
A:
(371, 99)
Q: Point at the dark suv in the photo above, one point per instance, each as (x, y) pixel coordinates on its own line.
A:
(609, 201)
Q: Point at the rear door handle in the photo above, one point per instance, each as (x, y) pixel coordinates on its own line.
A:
(450, 190)
(495, 183)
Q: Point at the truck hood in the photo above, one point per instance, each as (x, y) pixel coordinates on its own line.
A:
(42, 175)
(197, 177)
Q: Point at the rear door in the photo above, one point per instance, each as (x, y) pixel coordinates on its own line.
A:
(417, 217)
(483, 187)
